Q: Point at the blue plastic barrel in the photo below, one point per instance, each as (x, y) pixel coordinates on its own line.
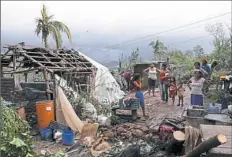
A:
(46, 134)
(68, 137)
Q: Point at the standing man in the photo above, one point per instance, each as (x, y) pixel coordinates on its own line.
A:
(205, 66)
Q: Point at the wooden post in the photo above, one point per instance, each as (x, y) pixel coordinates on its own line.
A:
(47, 83)
(54, 93)
(14, 69)
(25, 77)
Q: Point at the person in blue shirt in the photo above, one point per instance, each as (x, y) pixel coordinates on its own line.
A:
(205, 66)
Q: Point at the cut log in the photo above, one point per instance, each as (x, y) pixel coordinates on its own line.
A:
(207, 145)
(179, 136)
(175, 142)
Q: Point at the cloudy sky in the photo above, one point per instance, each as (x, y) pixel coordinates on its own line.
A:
(96, 25)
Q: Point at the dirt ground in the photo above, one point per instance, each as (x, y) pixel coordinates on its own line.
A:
(155, 109)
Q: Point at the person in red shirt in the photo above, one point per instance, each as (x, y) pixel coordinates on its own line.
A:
(164, 76)
(138, 92)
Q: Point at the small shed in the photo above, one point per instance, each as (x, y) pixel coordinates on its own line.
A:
(140, 67)
(28, 60)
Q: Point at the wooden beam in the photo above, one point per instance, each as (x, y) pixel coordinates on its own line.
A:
(33, 60)
(5, 54)
(21, 71)
(47, 83)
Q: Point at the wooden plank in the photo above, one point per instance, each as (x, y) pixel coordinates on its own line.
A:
(215, 129)
(219, 117)
(221, 152)
(40, 57)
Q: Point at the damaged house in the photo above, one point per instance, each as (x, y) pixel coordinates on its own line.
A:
(32, 74)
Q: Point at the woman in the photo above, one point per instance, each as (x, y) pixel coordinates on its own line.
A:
(138, 92)
(152, 77)
(164, 76)
(196, 85)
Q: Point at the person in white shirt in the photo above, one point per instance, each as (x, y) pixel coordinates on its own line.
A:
(152, 77)
(196, 85)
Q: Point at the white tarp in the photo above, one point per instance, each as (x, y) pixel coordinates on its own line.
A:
(106, 89)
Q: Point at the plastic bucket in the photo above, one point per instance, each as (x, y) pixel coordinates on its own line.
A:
(46, 134)
(68, 137)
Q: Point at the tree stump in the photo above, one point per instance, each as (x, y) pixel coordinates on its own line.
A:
(175, 142)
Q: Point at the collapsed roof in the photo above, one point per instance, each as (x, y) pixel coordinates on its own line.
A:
(52, 60)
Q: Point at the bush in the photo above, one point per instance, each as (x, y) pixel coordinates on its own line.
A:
(15, 135)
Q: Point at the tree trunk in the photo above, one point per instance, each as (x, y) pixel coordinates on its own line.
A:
(45, 40)
(207, 145)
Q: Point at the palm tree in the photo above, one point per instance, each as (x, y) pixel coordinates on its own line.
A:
(46, 26)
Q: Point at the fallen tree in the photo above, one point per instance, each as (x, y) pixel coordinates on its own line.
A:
(207, 145)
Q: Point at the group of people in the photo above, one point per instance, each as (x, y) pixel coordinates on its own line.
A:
(168, 86)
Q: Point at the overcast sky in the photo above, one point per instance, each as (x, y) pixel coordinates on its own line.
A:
(124, 20)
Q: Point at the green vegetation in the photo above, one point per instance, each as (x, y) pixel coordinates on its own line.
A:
(128, 62)
(15, 135)
(46, 26)
(184, 60)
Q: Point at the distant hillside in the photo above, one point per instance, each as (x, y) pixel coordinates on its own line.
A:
(99, 49)
(111, 64)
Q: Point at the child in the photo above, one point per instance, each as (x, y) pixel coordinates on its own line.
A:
(139, 94)
(180, 93)
(196, 85)
(172, 89)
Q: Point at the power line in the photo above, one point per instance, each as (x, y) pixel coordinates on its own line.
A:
(189, 40)
(200, 21)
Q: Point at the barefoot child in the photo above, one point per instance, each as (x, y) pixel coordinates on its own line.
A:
(180, 93)
(172, 89)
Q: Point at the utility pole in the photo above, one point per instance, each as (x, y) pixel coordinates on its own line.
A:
(231, 37)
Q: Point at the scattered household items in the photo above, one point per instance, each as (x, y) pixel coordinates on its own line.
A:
(215, 119)
(131, 104)
(68, 137)
(194, 116)
(46, 134)
(230, 111)
(103, 120)
(65, 114)
(58, 126)
(226, 83)
(99, 146)
(192, 138)
(214, 108)
(45, 113)
(21, 112)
